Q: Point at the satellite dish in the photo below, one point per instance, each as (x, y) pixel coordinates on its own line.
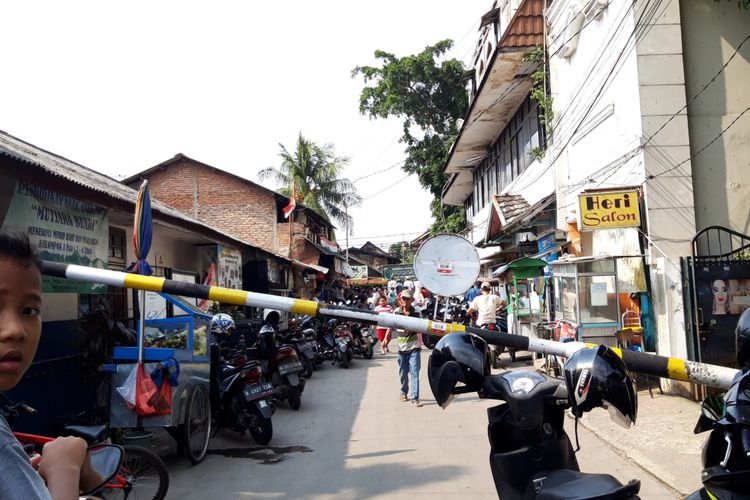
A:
(447, 264)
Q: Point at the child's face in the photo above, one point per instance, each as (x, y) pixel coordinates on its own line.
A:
(382, 301)
(20, 320)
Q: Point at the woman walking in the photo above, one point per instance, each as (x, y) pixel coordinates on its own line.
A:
(384, 334)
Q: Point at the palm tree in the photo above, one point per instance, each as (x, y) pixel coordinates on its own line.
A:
(314, 171)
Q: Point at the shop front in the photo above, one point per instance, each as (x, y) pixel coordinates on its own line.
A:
(524, 286)
(600, 295)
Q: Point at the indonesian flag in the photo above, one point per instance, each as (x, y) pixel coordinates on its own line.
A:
(292, 203)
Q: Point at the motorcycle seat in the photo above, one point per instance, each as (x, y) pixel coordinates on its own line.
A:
(90, 433)
(564, 484)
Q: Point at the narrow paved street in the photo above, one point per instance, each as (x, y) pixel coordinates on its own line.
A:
(354, 439)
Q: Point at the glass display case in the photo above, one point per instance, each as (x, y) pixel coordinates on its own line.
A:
(587, 292)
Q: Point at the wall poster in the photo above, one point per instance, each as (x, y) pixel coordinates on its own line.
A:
(63, 229)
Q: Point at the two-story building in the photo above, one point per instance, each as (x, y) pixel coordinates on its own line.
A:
(253, 213)
(495, 167)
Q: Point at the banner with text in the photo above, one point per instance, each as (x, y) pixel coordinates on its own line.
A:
(63, 229)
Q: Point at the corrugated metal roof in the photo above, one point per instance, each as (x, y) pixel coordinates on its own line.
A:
(71, 171)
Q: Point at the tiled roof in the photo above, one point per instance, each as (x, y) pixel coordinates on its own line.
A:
(511, 208)
(526, 29)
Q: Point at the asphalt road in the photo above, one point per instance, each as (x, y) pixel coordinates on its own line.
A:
(353, 438)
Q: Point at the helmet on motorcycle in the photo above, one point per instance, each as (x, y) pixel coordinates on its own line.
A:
(742, 332)
(598, 377)
(222, 324)
(457, 357)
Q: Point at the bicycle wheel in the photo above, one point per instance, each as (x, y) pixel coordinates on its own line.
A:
(197, 426)
(144, 474)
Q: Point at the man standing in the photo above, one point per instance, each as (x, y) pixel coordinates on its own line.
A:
(409, 358)
(486, 304)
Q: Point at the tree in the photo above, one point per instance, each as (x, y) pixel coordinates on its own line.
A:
(314, 171)
(431, 99)
(402, 251)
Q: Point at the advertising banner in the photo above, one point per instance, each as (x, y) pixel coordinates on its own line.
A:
(63, 229)
(609, 209)
(230, 267)
(360, 272)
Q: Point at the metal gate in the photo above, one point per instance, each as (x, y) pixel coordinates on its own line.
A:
(717, 278)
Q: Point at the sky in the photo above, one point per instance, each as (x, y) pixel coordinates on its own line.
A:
(121, 87)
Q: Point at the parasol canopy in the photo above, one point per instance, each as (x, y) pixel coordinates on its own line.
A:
(142, 232)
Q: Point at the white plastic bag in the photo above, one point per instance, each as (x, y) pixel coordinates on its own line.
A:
(127, 390)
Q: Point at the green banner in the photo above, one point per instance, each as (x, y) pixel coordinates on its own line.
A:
(400, 271)
(63, 229)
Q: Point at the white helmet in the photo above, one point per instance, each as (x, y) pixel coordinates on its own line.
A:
(222, 323)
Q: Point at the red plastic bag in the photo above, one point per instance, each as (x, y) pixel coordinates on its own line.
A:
(149, 399)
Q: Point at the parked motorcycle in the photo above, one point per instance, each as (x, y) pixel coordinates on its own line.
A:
(531, 456)
(726, 453)
(453, 311)
(337, 342)
(282, 366)
(362, 340)
(305, 349)
(241, 398)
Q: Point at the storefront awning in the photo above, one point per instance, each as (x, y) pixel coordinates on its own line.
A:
(313, 267)
(522, 267)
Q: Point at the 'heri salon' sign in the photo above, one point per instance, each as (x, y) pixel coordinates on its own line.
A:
(609, 209)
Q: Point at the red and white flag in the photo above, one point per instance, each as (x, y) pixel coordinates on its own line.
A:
(292, 203)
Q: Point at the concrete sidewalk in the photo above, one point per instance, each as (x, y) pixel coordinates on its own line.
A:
(662, 442)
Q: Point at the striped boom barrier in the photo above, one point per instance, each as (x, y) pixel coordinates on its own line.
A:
(649, 364)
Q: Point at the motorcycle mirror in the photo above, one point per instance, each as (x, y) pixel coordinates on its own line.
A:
(713, 407)
(106, 460)
(712, 410)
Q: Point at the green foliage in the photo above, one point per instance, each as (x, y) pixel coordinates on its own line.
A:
(429, 96)
(402, 251)
(314, 170)
(539, 93)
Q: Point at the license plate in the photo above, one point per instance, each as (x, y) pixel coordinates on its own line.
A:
(256, 391)
(290, 367)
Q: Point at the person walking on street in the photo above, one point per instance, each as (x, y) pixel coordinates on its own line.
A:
(409, 358)
(384, 334)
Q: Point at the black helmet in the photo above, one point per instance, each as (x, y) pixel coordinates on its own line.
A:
(457, 357)
(598, 377)
(742, 332)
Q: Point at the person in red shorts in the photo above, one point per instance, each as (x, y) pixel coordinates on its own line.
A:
(384, 334)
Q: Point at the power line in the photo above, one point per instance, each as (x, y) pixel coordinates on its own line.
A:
(386, 188)
(614, 69)
(701, 149)
(672, 117)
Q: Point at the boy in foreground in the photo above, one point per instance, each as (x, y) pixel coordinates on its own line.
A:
(64, 465)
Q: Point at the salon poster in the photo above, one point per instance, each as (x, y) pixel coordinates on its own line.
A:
(63, 229)
(729, 296)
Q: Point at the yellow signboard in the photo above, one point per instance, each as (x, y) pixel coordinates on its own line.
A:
(609, 209)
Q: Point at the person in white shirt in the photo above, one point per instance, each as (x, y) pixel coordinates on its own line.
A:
(486, 305)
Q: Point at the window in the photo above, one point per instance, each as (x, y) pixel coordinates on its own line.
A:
(510, 155)
(116, 244)
(598, 299)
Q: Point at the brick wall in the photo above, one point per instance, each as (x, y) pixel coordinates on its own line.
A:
(223, 201)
